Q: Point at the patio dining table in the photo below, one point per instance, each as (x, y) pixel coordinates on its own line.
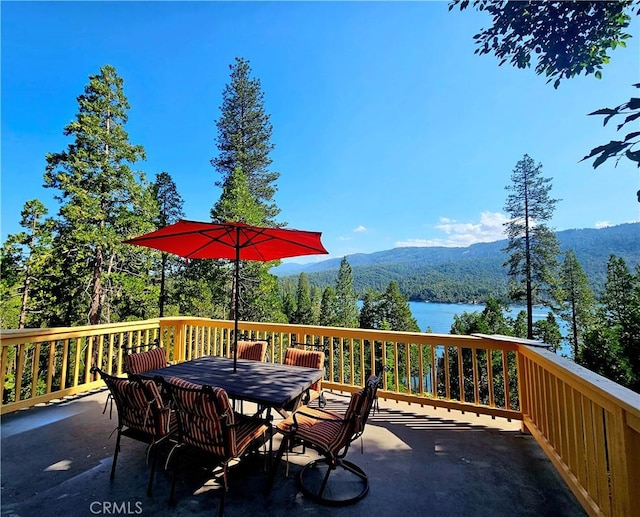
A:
(270, 385)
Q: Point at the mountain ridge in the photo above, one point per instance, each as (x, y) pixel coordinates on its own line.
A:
(417, 269)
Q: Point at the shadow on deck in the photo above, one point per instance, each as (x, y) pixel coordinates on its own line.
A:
(420, 461)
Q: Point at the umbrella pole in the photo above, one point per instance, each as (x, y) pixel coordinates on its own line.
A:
(236, 296)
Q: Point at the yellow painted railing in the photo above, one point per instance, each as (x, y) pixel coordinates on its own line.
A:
(588, 426)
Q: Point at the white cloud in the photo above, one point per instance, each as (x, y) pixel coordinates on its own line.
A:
(489, 229)
(359, 229)
(602, 224)
(343, 238)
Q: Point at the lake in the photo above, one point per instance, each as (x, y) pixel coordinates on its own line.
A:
(439, 316)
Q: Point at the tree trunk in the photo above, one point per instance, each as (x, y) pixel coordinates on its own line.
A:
(163, 295)
(25, 299)
(96, 291)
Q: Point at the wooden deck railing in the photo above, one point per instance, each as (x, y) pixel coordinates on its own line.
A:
(588, 426)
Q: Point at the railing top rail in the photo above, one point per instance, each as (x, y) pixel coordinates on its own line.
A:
(591, 383)
(14, 336)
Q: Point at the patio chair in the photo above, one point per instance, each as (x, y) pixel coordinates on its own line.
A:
(330, 434)
(142, 415)
(208, 424)
(310, 359)
(140, 362)
(253, 350)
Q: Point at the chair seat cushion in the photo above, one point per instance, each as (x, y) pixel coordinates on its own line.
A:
(248, 429)
(323, 428)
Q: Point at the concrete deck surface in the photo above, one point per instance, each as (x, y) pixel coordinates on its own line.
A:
(420, 461)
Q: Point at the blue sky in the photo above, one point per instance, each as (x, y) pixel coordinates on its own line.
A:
(388, 130)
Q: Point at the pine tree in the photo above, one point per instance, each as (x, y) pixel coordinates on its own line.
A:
(612, 347)
(244, 139)
(328, 311)
(170, 210)
(103, 201)
(248, 186)
(396, 311)
(548, 331)
(258, 289)
(370, 311)
(304, 307)
(532, 247)
(27, 252)
(346, 301)
(576, 300)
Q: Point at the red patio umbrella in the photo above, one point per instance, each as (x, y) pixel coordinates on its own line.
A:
(233, 241)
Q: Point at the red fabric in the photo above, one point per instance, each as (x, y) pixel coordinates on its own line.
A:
(308, 358)
(253, 350)
(201, 240)
(146, 361)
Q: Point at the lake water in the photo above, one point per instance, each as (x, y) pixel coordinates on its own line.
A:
(439, 316)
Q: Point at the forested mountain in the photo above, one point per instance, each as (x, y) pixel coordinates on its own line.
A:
(468, 274)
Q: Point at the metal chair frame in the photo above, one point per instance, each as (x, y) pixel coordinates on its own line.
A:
(332, 457)
(204, 440)
(133, 424)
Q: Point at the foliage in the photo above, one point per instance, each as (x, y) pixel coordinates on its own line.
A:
(471, 274)
(491, 320)
(303, 314)
(612, 346)
(575, 299)
(170, 210)
(565, 38)
(619, 148)
(532, 246)
(244, 139)
(102, 199)
(248, 187)
(548, 331)
(25, 254)
(568, 38)
(328, 309)
(388, 310)
(346, 301)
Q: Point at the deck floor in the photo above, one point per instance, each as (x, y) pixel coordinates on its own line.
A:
(420, 461)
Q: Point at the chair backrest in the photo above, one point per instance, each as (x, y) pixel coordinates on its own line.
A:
(141, 362)
(308, 358)
(357, 414)
(139, 404)
(205, 416)
(253, 350)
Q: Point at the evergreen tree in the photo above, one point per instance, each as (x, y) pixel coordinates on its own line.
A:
(103, 201)
(370, 311)
(244, 139)
(170, 210)
(257, 289)
(304, 307)
(24, 258)
(248, 187)
(548, 331)
(576, 300)
(612, 347)
(346, 301)
(396, 311)
(328, 308)
(532, 247)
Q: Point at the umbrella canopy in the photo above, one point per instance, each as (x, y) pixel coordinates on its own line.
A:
(232, 241)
